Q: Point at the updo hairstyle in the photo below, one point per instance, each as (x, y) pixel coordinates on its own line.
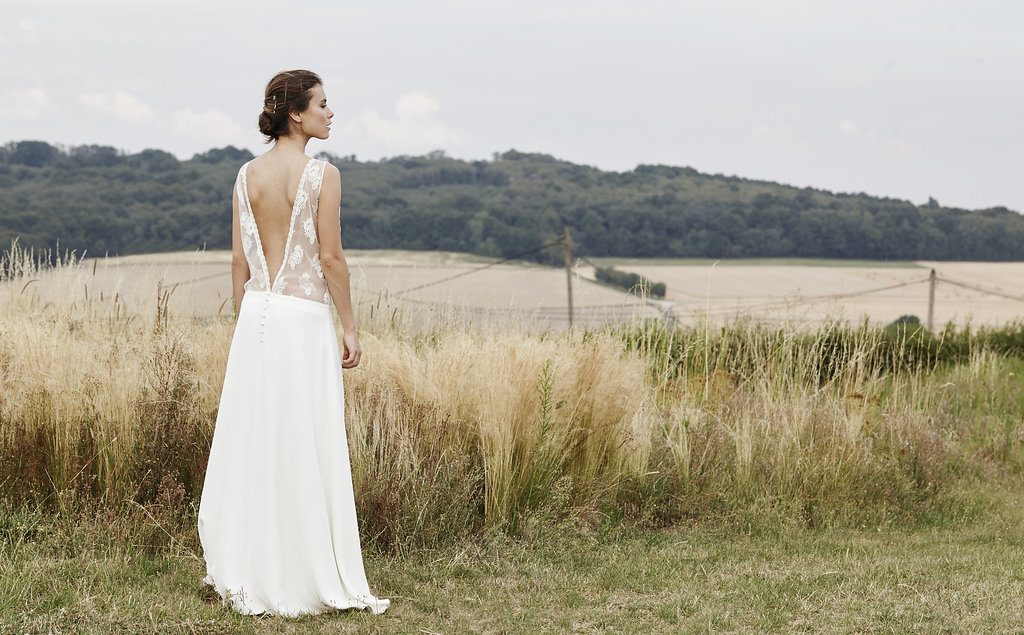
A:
(288, 91)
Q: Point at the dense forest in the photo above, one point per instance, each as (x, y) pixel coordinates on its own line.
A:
(100, 200)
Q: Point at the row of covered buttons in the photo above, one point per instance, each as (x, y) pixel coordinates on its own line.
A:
(263, 316)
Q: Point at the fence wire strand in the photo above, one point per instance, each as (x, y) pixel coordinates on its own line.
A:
(618, 310)
(476, 270)
(966, 285)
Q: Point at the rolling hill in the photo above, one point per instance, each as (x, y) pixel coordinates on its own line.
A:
(101, 200)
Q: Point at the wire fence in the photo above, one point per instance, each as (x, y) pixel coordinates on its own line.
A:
(981, 289)
(477, 269)
(634, 303)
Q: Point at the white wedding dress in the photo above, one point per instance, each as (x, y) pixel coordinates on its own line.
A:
(277, 517)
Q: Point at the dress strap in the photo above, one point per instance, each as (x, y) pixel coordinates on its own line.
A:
(316, 179)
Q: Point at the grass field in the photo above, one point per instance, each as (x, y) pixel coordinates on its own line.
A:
(964, 576)
(635, 478)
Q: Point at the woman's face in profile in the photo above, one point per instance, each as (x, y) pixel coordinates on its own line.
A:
(316, 120)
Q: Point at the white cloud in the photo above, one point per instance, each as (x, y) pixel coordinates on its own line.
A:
(121, 105)
(778, 135)
(213, 127)
(413, 128)
(852, 130)
(24, 105)
(28, 29)
(416, 106)
(848, 127)
(850, 73)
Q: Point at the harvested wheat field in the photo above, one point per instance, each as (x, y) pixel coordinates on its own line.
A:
(423, 289)
(806, 291)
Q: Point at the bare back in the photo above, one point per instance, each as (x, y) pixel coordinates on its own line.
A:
(278, 212)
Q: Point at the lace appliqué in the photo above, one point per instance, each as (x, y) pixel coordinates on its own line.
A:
(305, 284)
(300, 198)
(248, 223)
(315, 261)
(307, 229)
(245, 221)
(279, 285)
(316, 178)
(296, 257)
(250, 233)
(249, 237)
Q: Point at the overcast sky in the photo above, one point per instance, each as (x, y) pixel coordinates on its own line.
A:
(902, 98)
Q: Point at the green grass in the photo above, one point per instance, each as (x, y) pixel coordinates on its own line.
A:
(758, 262)
(963, 575)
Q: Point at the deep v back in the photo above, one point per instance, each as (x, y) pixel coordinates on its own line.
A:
(299, 272)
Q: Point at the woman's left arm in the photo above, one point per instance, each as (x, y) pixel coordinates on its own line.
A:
(239, 265)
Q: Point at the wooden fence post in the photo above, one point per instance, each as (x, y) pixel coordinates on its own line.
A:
(931, 300)
(567, 250)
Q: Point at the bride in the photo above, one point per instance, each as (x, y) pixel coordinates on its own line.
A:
(277, 517)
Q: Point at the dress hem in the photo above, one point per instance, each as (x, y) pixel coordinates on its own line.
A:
(377, 606)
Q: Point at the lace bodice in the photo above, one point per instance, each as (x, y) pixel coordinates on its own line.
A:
(300, 273)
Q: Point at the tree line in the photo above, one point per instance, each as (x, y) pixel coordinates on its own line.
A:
(103, 200)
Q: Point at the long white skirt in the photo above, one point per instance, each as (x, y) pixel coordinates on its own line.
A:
(277, 517)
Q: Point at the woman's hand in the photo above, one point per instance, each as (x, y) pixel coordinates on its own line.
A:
(351, 351)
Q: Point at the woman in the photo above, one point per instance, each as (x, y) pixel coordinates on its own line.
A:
(277, 516)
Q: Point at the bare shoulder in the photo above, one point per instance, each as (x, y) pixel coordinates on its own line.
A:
(331, 170)
(332, 177)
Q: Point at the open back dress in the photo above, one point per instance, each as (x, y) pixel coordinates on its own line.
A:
(277, 516)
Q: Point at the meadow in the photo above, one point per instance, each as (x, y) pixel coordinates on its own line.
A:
(740, 475)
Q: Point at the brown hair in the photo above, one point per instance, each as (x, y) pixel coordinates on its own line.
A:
(288, 91)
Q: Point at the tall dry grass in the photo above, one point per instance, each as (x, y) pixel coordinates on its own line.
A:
(461, 431)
